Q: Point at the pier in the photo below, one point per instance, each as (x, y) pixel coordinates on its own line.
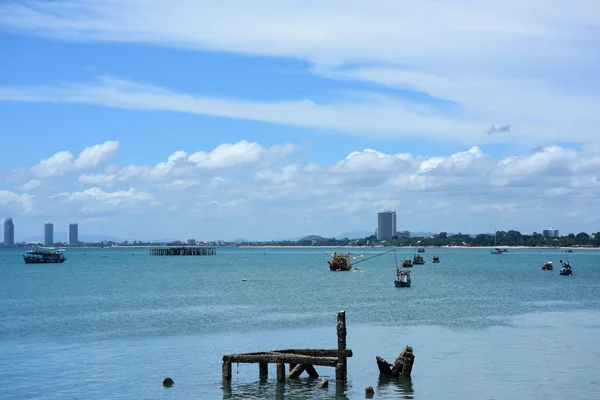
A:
(299, 360)
(184, 251)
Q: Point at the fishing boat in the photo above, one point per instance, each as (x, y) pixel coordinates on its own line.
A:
(340, 262)
(436, 259)
(402, 278)
(407, 263)
(566, 269)
(417, 260)
(421, 250)
(547, 266)
(496, 250)
(41, 255)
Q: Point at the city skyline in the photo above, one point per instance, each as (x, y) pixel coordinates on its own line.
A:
(312, 125)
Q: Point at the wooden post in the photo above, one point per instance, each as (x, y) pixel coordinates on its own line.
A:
(226, 370)
(263, 371)
(341, 367)
(280, 372)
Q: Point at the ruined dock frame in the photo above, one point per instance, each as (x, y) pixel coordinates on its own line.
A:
(299, 360)
(184, 251)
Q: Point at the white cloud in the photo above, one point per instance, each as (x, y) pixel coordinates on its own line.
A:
(17, 204)
(509, 62)
(63, 162)
(464, 191)
(31, 185)
(92, 157)
(180, 165)
(96, 201)
(59, 164)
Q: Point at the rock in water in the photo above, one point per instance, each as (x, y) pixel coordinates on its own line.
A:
(369, 392)
(168, 382)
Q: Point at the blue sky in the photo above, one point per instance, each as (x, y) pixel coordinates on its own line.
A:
(151, 119)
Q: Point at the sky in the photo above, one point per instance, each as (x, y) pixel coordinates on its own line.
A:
(147, 119)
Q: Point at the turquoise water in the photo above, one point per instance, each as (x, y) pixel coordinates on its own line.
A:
(112, 323)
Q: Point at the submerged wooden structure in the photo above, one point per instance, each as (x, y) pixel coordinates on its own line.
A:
(299, 360)
(184, 251)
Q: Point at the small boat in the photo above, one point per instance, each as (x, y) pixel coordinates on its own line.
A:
(436, 259)
(421, 250)
(566, 269)
(547, 266)
(41, 255)
(418, 260)
(402, 278)
(407, 263)
(497, 251)
(568, 251)
(340, 262)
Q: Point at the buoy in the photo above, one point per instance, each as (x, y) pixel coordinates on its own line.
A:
(244, 279)
(168, 382)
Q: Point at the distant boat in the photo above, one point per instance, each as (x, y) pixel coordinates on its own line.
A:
(568, 251)
(41, 255)
(547, 266)
(418, 260)
(407, 263)
(436, 259)
(497, 250)
(421, 250)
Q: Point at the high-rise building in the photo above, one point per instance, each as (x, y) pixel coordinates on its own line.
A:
(48, 234)
(386, 225)
(550, 233)
(73, 234)
(9, 232)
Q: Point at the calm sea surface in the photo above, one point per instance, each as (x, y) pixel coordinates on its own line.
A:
(113, 323)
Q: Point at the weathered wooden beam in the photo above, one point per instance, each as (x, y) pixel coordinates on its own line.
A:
(280, 372)
(341, 338)
(384, 367)
(280, 358)
(226, 370)
(263, 371)
(312, 372)
(316, 352)
(296, 372)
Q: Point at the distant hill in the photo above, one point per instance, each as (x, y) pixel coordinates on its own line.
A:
(355, 234)
(311, 237)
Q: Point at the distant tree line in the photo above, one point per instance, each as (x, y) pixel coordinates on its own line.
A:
(503, 238)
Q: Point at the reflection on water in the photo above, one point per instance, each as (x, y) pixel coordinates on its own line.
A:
(301, 388)
(400, 386)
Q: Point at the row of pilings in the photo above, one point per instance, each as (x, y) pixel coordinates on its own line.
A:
(184, 251)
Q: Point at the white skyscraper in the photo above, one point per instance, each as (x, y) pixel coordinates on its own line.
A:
(48, 234)
(9, 232)
(386, 225)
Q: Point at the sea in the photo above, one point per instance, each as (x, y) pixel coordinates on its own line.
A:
(112, 323)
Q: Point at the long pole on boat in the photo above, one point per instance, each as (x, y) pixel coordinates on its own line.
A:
(380, 254)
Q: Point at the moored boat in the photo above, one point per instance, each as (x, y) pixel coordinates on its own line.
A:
(402, 278)
(407, 263)
(566, 269)
(417, 260)
(547, 266)
(41, 255)
(340, 262)
(421, 250)
(436, 259)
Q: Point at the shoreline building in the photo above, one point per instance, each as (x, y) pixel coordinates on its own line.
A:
(9, 232)
(48, 234)
(386, 225)
(73, 234)
(550, 233)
